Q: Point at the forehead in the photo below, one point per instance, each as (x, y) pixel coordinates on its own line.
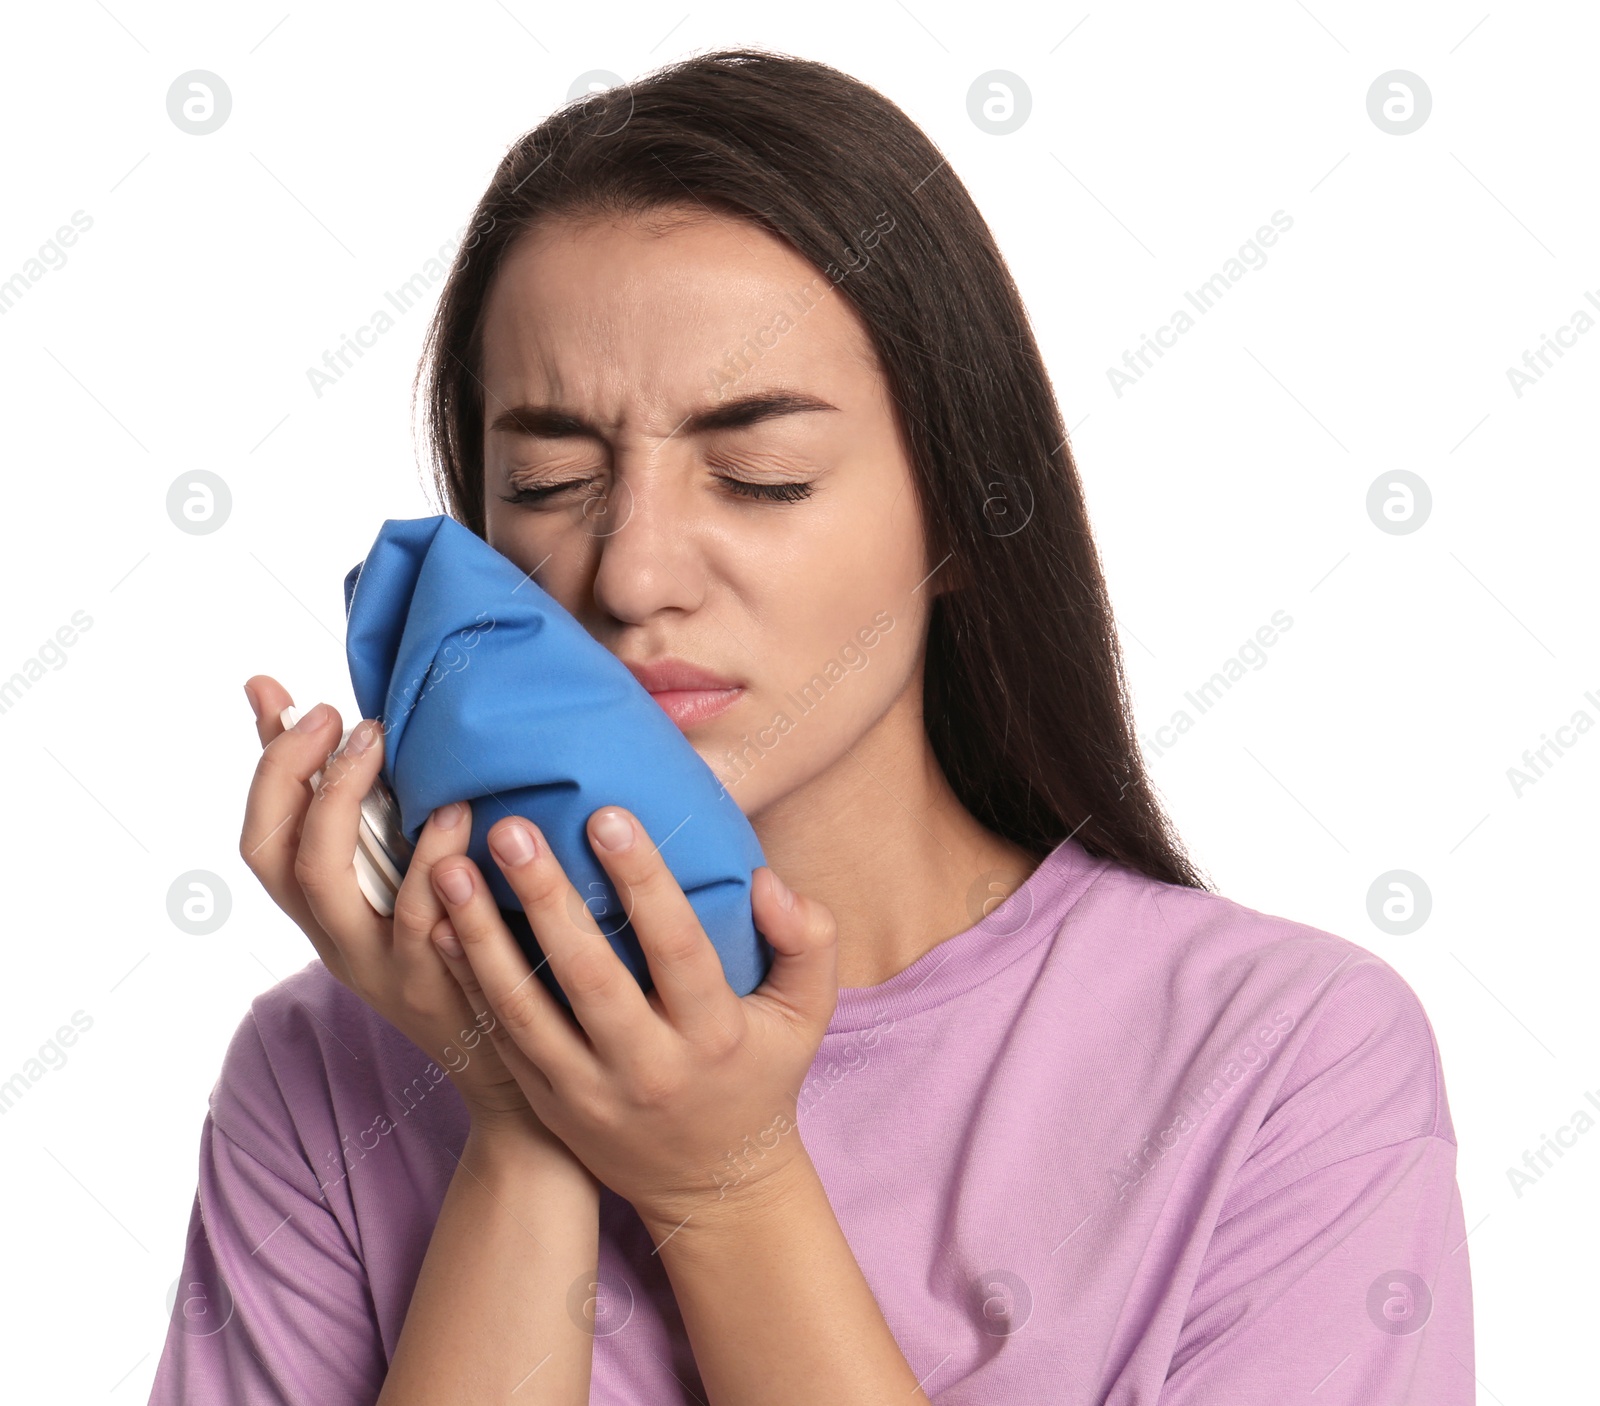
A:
(613, 313)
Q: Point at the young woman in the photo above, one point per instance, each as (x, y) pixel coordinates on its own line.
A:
(732, 367)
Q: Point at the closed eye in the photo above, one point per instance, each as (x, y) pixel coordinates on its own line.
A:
(773, 492)
(769, 492)
(539, 493)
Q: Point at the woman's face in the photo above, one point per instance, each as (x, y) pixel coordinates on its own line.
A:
(728, 484)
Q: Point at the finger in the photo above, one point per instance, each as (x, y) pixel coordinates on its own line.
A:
(324, 865)
(268, 698)
(804, 978)
(269, 837)
(530, 1015)
(448, 945)
(606, 997)
(417, 907)
(687, 972)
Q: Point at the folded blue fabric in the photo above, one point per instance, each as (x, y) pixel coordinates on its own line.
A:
(492, 693)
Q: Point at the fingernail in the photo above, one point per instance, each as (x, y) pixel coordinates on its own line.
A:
(362, 738)
(454, 885)
(784, 893)
(448, 817)
(512, 844)
(613, 830)
(313, 720)
(445, 936)
(254, 706)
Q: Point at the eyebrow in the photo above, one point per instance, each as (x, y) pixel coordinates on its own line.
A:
(550, 422)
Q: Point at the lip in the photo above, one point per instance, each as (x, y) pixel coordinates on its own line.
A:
(687, 693)
(688, 706)
(671, 674)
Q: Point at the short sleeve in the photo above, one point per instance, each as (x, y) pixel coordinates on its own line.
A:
(1351, 1282)
(273, 1305)
(1338, 1262)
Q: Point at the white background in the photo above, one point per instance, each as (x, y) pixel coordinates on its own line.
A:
(1229, 483)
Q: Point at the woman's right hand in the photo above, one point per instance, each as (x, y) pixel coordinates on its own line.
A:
(301, 844)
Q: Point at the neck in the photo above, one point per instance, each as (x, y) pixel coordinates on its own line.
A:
(883, 841)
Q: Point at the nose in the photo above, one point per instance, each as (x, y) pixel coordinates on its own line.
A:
(649, 545)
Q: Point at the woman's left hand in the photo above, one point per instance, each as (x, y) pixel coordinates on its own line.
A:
(668, 1086)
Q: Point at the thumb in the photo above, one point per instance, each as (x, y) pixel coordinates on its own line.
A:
(804, 938)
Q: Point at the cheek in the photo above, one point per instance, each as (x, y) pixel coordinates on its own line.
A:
(841, 604)
(556, 549)
(867, 577)
(507, 531)
(837, 650)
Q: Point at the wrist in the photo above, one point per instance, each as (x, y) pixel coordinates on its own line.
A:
(517, 1148)
(734, 1210)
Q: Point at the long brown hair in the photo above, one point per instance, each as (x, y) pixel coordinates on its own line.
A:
(1025, 699)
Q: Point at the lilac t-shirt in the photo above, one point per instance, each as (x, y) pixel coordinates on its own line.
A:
(1122, 1142)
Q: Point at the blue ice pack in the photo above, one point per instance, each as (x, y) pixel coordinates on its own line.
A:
(492, 693)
